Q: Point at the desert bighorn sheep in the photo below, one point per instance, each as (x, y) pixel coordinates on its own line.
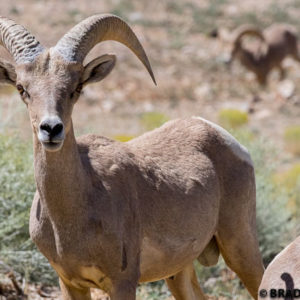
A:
(108, 214)
(283, 275)
(280, 41)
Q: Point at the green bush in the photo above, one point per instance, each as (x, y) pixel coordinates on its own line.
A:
(123, 137)
(16, 194)
(232, 118)
(292, 139)
(273, 218)
(152, 120)
(290, 180)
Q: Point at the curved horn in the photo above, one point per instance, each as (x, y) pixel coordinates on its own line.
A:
(247, 29)
(75, 45)
(18, 41)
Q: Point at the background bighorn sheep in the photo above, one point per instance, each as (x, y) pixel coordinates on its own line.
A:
(283, 272)
(280, 41)
(108, 214)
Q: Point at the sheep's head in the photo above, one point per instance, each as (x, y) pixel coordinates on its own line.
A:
(50, 80)
(237, 49)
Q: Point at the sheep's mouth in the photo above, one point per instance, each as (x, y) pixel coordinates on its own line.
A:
(51, 143)
(52, 146)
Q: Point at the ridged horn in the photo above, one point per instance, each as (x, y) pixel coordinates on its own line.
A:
(247, 29)
(76, 44)
(18, 41)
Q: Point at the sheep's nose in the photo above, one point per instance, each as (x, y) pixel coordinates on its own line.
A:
(52, 127)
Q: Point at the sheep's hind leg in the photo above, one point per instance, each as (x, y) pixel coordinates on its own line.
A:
(237, 238)
(184, 285)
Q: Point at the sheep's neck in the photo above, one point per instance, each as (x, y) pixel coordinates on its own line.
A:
(59, 178)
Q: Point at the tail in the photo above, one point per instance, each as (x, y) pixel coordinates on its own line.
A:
(289, 283)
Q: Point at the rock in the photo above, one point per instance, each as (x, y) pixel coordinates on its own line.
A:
(210, 282)
(148, 106)
(263, 114)
(286, 89)
(107, 105)
(202, 90)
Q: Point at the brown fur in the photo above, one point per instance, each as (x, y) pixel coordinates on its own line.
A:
(280, 42)
(109, 215)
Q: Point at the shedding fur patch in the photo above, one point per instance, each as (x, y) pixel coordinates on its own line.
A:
(238, 149)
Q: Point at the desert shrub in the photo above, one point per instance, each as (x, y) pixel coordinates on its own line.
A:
(290, 180)
(123, 137)
(232, 118)
(274, 220)
(152, 120)
(292, 139)
(16, 194)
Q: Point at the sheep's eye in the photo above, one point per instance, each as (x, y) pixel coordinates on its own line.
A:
(22, 91)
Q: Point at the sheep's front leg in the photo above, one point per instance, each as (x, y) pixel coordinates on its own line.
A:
(124, 290)
(72, 293)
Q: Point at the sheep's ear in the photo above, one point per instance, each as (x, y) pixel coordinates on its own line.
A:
(7, 72)
(98, 68)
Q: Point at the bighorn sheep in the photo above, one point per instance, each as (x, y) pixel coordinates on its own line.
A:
(282, 276)
(108, 214)
(280, 41)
